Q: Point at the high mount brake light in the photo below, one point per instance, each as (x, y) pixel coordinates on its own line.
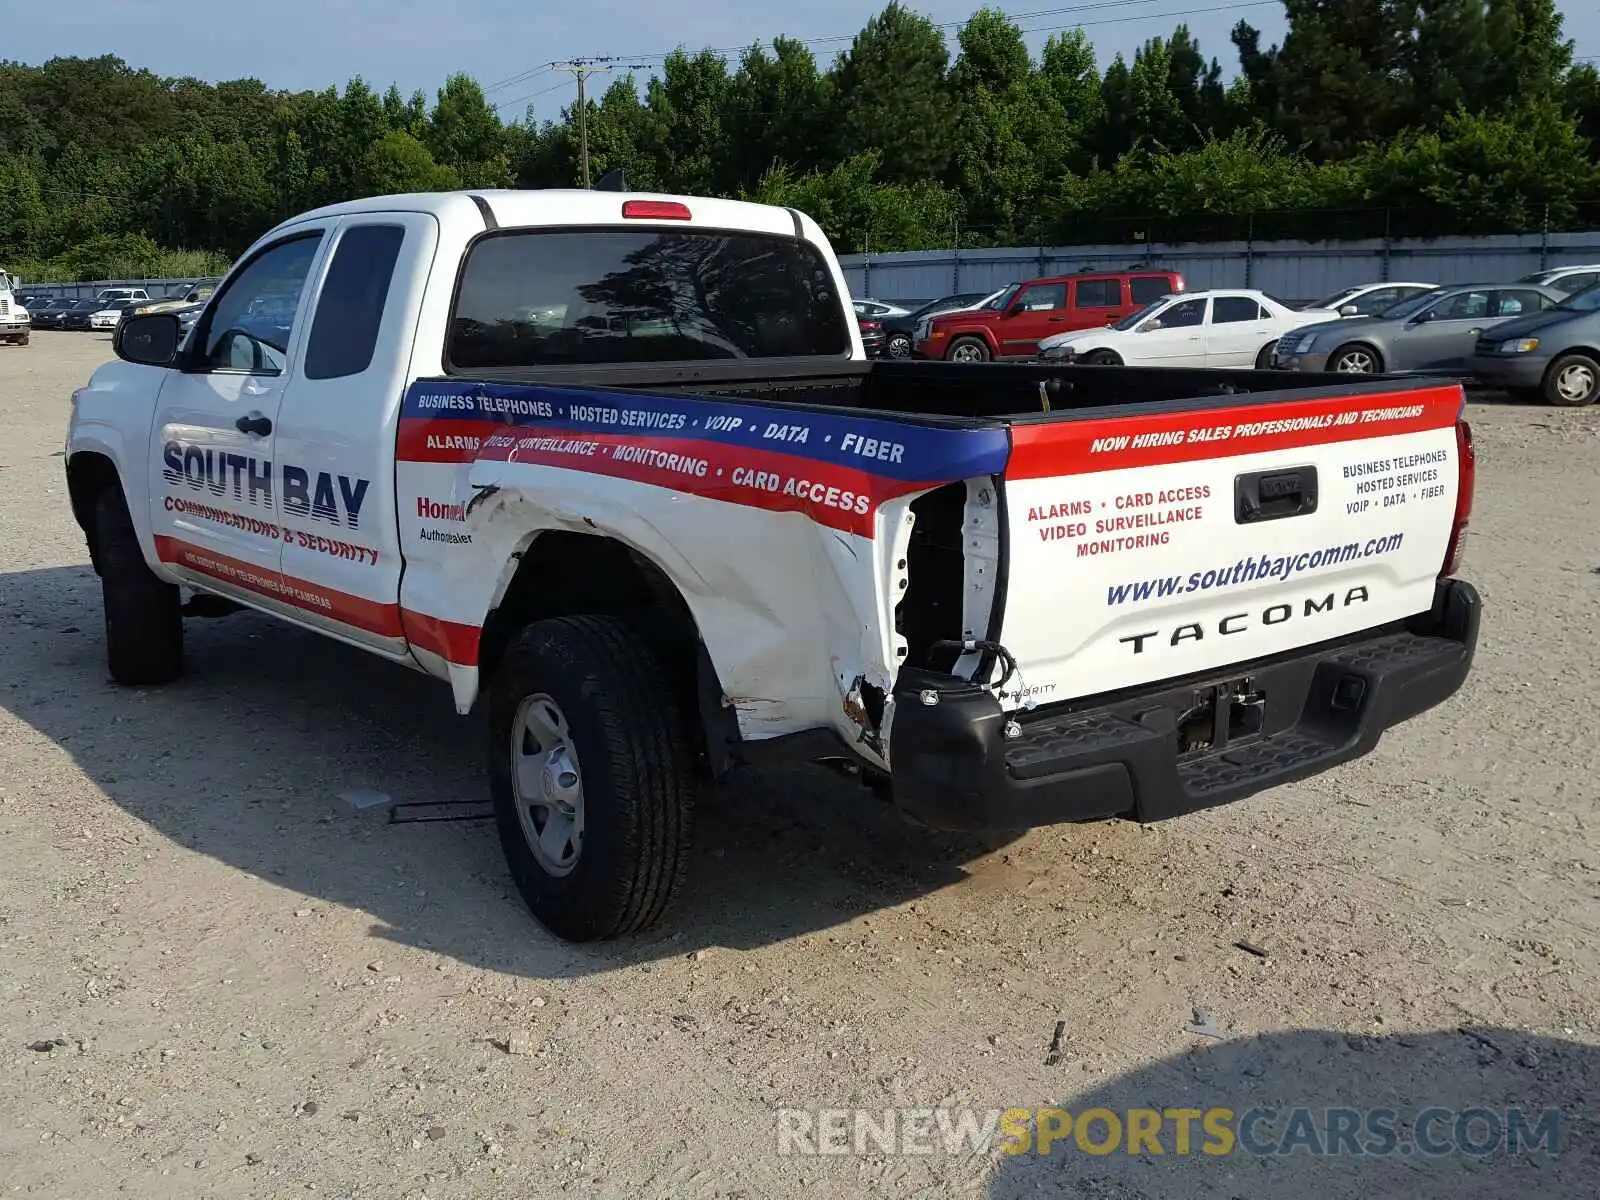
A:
(655, 210)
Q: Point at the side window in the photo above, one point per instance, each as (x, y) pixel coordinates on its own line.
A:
(248, 327)
(1575, 283)
(1468, 306)
(1228, 309)
(344, 330)
(1146, 290)
(1377, 300)
(1186, 315)
(1519, 302)
(1043, 297)
(1099, 293)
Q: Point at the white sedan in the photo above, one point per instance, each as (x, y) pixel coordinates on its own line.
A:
(1196, 329)
(111, 315)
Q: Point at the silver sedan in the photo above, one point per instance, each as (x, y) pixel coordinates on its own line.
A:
(1435, 331)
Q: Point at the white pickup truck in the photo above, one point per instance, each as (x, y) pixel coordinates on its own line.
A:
(616, 465)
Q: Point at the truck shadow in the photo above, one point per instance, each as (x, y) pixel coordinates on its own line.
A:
(248, 759)
(1511, 1078)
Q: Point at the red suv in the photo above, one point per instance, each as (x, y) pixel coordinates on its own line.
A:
(1012, 324)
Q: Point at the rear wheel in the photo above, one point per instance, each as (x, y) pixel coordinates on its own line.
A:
(1572, 381)
(898, 346)
(591, 774)
(144, 617)
(969, 350)
(1355, 359)
(1264, 359)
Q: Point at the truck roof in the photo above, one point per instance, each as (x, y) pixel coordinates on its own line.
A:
(514, 208)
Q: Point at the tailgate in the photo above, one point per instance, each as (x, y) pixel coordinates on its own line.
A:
(1146, 547)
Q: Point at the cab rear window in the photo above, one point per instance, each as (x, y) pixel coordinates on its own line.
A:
(538, 298)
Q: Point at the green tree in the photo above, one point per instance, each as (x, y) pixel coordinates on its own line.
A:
(1506, 172)
(1341, 72)
(683, 138)
(1012, 135)
(23, 215)
(858, 212)
(776, 112)
(892, 98)
(464, 133)
(398, 163)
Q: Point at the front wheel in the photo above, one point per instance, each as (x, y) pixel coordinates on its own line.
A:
(1355, 360)
(969, 350)
(591, 775)
(1572, 381)
(1102, 358)
(144, 613)
(898, 346)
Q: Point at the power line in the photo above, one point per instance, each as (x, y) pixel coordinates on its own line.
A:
(527, 76)
(545, 91)
(1093, 6)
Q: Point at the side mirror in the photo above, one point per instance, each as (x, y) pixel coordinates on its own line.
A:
(150, 340)
(1349, 310)
(1150, 326)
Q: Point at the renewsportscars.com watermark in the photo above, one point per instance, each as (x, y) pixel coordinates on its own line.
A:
(1212, 1132)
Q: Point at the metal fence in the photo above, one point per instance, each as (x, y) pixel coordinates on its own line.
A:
(1290, 270)
(84, 291)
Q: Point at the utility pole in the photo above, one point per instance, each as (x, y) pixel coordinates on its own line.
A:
(580, 69)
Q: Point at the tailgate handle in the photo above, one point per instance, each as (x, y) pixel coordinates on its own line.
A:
(1274, 495)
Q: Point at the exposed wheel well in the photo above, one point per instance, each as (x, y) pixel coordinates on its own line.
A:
(972, 335)
(88, 475)
(1586, 351)
(1357, 344)
(571, 574)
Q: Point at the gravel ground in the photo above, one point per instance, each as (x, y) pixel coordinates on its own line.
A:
(219, 978)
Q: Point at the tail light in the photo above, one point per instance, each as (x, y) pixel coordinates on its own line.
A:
(1467, 477)
(871, 326)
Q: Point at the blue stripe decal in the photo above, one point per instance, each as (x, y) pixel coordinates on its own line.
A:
(891, 449)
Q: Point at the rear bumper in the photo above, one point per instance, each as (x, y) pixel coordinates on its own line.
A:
(954, 768)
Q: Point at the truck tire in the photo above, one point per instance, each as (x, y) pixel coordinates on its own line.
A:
(144, 617)
(591, 772)
(1572, 381)
(969, 350)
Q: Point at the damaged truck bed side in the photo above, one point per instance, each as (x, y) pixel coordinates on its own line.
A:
(618, 466)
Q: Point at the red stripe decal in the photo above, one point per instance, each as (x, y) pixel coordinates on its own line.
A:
(839, 497)
(450, 640)
(442, 440)
(453, 641)
(1047, 449)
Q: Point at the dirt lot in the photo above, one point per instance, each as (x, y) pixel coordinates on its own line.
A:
(244, 986)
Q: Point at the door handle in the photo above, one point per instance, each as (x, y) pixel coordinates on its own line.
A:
(253, 423)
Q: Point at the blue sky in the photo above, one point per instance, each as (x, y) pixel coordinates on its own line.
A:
(299, 44)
